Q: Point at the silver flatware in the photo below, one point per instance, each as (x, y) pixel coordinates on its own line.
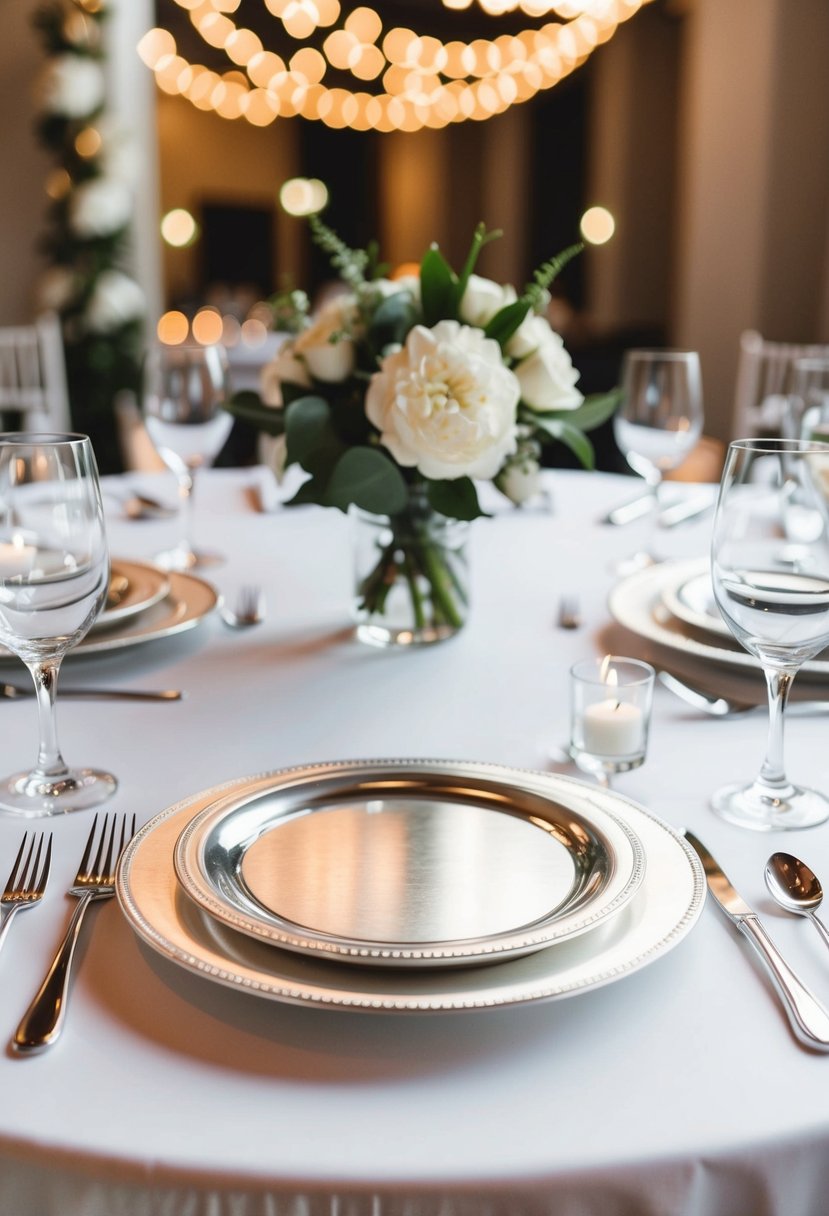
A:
(796, 888)
(808, 1018)
(140, 506)
(689, 509)
(13, 692)
(628, 511)
(27, 880)
(95, 879)
(248, 608)
(569, 613)
(722, 707)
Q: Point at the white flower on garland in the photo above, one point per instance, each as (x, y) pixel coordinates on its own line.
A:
(445, 403)
(99, 207)
(118, 156)
(116, 300)
(72, 86)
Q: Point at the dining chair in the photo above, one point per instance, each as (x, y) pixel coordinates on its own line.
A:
(33, 375)
(761, 402)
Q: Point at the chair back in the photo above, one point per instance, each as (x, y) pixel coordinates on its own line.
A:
(761, 400)
(33, 374)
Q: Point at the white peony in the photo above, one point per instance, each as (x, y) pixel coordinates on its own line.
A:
(285, 367)
(72, 86)
(544, 369)
(483, 299)
(445, 403)
(99, 207)
(116, 300)
(118, 155)
(327, 346)
(57, 288)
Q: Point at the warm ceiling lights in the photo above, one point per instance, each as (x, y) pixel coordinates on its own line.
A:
(415, 80)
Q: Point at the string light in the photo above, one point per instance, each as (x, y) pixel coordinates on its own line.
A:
(422, 81)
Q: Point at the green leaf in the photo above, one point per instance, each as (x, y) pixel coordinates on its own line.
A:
(437, 288)
(480, 238)
(506, 321)
(312, 441)
(248, 407)
(392, 320)
(571, 437)
(591, 413)
(369, 479)
(458, 498)
(311, 491)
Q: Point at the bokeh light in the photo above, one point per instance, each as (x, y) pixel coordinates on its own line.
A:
(597, 225)
(303, 196)
(172, 328)
(179, 228)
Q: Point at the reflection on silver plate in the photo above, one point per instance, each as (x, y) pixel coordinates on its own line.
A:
(662, 912)
(134, 587)
(430, 865)
(637, 603)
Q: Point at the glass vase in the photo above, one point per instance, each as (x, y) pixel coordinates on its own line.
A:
(411, 576)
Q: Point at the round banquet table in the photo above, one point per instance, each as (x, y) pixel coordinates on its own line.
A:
(678, 1089)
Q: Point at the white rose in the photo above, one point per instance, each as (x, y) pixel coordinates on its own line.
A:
(99, 207)
(118, 155)
(483, 299)
(327, 346)
(545, 370)
(446, 404)
(285, 367)
(116, 300)
(71, 85)
(57, 287)
(520, 482)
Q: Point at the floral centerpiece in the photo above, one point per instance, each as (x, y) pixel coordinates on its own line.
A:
(399, 395)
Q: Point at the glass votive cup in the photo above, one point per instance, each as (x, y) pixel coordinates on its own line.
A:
(610, 713)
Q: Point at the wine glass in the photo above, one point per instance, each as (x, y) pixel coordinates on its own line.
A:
(659, 420)
(770, 571)
(185, 390)
(809, 398)
(54, 577)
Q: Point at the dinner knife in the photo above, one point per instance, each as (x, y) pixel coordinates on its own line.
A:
(686, 510)
(809, 1019)
(13, 692)
(628, 511)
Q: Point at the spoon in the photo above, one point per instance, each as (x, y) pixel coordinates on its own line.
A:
(795, 888)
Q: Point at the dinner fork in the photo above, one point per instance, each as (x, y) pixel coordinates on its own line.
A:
(27, 880)
(95, 879)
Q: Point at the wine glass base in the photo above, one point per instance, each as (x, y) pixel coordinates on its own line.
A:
(764, 809)
(34, 795)
(181, 559)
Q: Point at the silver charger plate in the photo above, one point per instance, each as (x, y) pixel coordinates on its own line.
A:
(637, 603)
(419, 865)
(663, 911)
(144, 585)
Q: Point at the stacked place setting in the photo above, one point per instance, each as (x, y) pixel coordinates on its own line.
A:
(409, 885)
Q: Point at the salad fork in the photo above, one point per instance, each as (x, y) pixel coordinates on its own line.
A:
(95, 879)
(27, 880)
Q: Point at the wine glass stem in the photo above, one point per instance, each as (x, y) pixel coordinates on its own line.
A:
(779, 684)
(186, 484)
(50, 762)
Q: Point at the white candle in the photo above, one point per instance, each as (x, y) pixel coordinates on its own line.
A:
(613, 728)
(16, 558)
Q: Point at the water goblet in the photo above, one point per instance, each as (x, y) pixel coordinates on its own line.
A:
(770, 572)
(54, 577)
(185, 390)
(659, 420)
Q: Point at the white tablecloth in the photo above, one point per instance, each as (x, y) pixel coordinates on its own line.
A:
(677, 1090)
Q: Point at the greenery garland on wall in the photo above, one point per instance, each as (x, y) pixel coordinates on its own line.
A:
(91, 191)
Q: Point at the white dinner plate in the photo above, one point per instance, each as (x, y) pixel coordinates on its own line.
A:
(638, 603)
(134, 587)
(691, 599)
(659, 916)
(434, 865)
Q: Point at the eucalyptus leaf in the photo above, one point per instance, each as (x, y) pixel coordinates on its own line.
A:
(392, 320)
(369, 479)
(311, 439)
(458, 499)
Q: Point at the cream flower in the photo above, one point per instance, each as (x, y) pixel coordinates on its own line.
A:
(116, 300)
(327, 346)
(99, 207)
(71, 85)
(285, 367)
(483, 299)
(446, 404)
(545, 370)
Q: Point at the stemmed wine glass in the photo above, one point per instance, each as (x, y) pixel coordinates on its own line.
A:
(185, 390)
(770, 571)
(54, 577)
(659, 420)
